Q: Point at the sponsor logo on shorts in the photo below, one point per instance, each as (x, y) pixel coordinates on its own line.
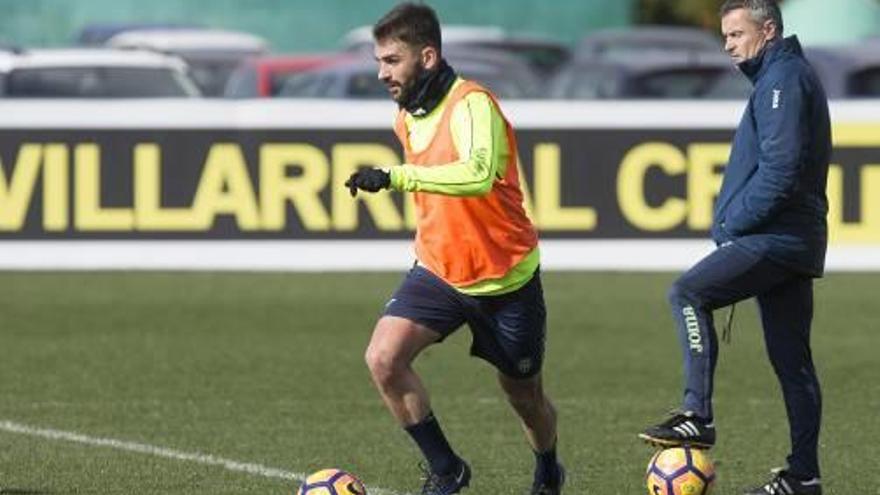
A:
(525, 365)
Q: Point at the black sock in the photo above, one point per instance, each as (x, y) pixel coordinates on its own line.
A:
(547, 467)
(430, 438)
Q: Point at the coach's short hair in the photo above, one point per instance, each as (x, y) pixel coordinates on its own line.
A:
(412, 23)
(760, 11)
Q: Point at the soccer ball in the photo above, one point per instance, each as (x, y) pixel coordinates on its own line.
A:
(680, 471)
(332, 482)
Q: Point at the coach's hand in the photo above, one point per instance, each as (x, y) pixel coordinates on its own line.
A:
(368, 179)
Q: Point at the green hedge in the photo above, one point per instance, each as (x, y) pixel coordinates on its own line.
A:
(298, 25)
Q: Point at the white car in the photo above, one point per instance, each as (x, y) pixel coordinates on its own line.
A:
(92, 73)
(212, 54)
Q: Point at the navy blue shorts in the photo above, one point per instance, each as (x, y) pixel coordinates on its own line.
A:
(508, 330)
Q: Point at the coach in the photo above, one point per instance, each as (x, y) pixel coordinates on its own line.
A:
(770, 228)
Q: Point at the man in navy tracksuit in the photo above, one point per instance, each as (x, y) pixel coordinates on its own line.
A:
(770, 229)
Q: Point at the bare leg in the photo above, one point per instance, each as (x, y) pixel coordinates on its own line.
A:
(394, 345)
(536, 412)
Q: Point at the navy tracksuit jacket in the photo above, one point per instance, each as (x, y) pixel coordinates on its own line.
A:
(773, 195)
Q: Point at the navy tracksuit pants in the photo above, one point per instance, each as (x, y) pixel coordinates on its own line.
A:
(785, 299)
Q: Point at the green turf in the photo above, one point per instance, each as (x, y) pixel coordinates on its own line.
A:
(268, 369)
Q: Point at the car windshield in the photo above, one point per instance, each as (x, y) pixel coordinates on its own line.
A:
(211, 75)
(683, 83)
(866, 83)
(365, 85)
(501, 85)
(278, 80)
(543, 58)
(306, 85)
(730, 86)
(626, 51)
(587, 83)
(97, 82)
(539, 57)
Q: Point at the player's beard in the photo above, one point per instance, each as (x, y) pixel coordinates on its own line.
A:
(410, 88)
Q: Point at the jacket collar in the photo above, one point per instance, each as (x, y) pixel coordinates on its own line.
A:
(756, 66)
(430, 89)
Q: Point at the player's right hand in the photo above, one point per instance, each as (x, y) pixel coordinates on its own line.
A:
(368, 179)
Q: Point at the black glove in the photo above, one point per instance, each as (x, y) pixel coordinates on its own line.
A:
(368, 179)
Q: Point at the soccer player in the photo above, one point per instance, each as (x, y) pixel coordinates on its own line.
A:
(477, 252)
(770, 228)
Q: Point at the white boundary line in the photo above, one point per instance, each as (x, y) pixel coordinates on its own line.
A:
(366, 255)
(311, 114)
(141, 448)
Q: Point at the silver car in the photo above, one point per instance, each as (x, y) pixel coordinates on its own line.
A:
(211, 54)
(93, 73)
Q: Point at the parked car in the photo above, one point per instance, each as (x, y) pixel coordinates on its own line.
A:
(212, 54)
(851, 71)
(544, 54)
(264, 76)
(644, 41)
(671, 75)
(732, 85)
(9, 47)
(504, 74)
(93, 73)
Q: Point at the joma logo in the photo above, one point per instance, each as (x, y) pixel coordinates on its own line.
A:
(695, 340)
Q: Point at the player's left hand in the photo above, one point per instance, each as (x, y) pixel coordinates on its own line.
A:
(368, 179)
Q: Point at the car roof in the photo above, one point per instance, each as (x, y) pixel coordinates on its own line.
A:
(295, 61)
(659, 37)
(492, 59)
(863, 54)
(360, 64)
(190, 40)
(619, 73)
(470, 63)
(461, 34)
(451, 33)
(98, 33)
(87, 57)
(663, 60)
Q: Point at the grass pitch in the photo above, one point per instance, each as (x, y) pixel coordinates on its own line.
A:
(268, 369)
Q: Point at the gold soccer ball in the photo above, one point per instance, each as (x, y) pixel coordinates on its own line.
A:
(332, 482)
(680, 471)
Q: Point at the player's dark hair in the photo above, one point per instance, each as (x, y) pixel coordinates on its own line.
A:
(415, 24)
(760, 10)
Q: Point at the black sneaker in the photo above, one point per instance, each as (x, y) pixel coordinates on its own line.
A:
(436, 484)
(682, 428)
(540, 488)
(783, 483)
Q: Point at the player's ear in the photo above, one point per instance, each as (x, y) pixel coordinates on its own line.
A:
(430, 57)
(769, 29)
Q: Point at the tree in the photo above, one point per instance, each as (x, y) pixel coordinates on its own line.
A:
(699, 13)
